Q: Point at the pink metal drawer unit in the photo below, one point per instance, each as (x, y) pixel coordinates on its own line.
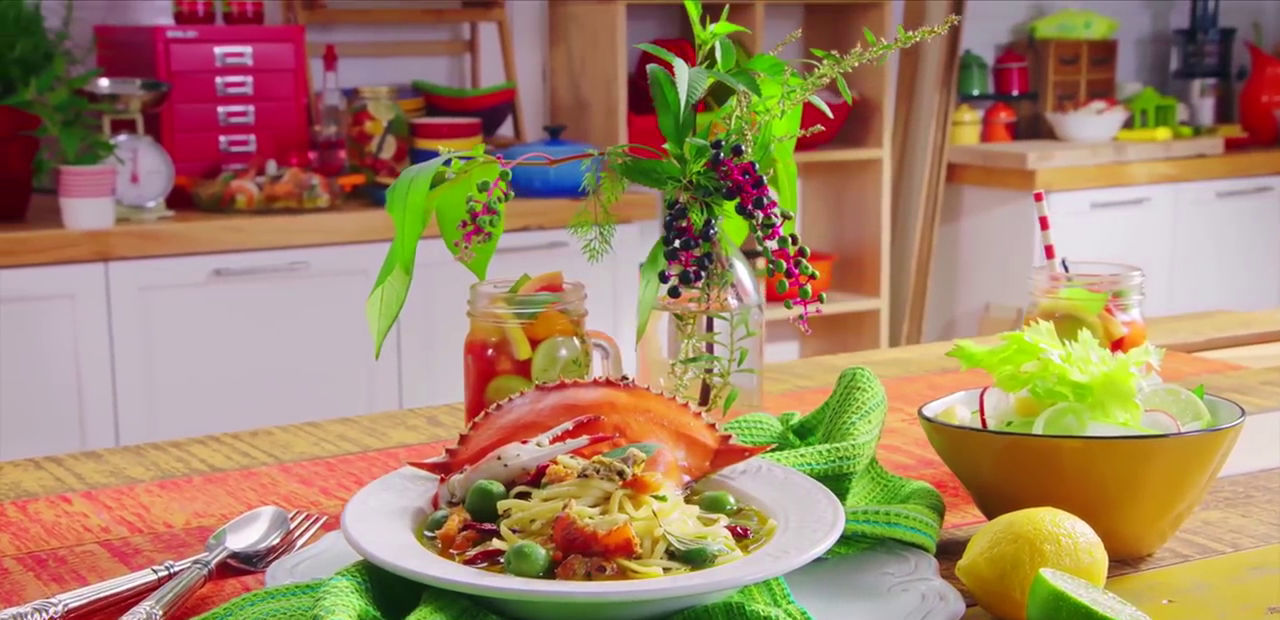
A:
(237, 92)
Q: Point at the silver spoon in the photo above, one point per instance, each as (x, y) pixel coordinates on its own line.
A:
(251, 533)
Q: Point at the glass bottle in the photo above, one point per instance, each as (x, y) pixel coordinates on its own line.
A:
(1103, 298)
(707, 346)
(519, 339)
(330, 147)
(378, 134)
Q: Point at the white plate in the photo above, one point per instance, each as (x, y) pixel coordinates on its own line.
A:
(380, 519)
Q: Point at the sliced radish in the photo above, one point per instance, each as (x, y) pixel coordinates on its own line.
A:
(1160, 421)
(995, 406)
(982, 406)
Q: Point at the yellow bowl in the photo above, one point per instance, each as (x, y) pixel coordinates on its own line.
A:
(1135, 491)
(456, 144)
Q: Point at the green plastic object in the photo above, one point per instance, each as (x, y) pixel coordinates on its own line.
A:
(1151, 109)
(972, 78)
(1074, 24)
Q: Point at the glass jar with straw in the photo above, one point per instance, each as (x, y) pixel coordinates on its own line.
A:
(1104, 299)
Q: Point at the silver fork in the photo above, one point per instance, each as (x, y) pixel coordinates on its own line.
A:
(132, 587)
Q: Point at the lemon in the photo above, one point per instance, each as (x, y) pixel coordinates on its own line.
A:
(1055, 595)
(1003, 558)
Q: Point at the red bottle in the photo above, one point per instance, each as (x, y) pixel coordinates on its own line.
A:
(187, 12)
(1260, 97)
(1011, 73)
(236, 12)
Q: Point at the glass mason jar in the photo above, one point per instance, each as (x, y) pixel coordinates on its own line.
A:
(708, 347)
(1103, 298)
(519, 339)
(377, 133)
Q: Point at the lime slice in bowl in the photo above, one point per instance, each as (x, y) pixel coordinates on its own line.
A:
(1177, 401)
(1055, 595)
(1063, 419)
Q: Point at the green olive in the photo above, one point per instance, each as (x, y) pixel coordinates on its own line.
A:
(436, 521)
(698, 557)
(717, 501)
(482, 500)
(526, 559)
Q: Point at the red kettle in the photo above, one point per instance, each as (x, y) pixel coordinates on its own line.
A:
(1260, 97)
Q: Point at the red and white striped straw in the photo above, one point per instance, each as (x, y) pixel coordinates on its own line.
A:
(1046, 238)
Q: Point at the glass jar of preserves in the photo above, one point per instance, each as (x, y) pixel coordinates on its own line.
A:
(377, 133)
(525, 333)
(1103, 298)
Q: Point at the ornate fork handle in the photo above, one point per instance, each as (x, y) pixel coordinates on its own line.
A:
(173, 594)
(98, 596)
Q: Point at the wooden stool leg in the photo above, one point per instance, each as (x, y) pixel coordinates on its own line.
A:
(509, 67)
(475, 54)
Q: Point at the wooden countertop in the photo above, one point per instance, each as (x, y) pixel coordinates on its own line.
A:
(42, 240)
(1245, 163)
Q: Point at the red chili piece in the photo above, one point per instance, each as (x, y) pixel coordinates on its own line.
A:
(483, 528)
(493, 555)
(739, 531)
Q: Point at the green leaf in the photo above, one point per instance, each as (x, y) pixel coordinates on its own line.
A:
(784, 176)
(451, 201)
(410, 211)
(844, 89)
(649, 286)
(768, 65)
(871, 37)
(726, 54)
(660, 52)
(730, 398)
(733, 227)
(902, 32)
(747, 81)
(694, 9)
(654, 173)
(680, 69)
(648, 448)
(665, 103)
(821, 105)
(723, 28)
(1199, 392)
(823, 54)
(699, 79)
(742, 357)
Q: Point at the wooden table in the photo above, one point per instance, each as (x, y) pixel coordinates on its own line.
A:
(1242, 508)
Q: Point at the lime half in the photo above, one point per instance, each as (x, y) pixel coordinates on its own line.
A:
(1056, 595)
(503, 387)
(1179, 402)
(560, 357)
(1062, 419)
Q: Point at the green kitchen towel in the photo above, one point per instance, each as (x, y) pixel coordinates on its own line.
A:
(835, 444)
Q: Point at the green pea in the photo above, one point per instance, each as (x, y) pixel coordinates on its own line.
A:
(482, 500)
(697, 557)
(526, 559)
(718, 501)
(436, 521)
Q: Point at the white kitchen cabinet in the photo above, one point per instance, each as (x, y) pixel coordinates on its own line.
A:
(433, 323)
(1226, 246)
(223, 342)
(1125, 225)
(55, 361)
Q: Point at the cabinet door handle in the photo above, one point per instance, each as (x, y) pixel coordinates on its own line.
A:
(532, 247)
(229, 115)
(1069, 61)
(1232, 193)
(231, 85)
(260, 270)
(233, 55)
(1120, 203)
(238, 143)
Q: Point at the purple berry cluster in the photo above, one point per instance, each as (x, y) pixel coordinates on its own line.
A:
(483, 214)
(687, 248)
(743, 182)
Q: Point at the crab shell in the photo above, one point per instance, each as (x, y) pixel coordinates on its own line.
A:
(630, 412)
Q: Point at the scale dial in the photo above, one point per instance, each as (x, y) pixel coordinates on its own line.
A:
(144, 171)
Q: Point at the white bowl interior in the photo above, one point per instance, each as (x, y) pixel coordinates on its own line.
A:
(1222, 411)
(380, 519)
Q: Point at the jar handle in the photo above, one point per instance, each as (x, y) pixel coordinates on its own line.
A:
(610, 354)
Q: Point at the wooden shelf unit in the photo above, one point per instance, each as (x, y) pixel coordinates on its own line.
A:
(844, 185)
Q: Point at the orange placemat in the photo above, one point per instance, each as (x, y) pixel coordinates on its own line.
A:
(55, 543)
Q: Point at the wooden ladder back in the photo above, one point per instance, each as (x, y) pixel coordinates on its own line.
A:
(470, 12)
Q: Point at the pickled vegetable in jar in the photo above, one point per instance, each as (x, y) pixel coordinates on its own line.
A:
(1104, 299)
(525, 332)
(377, 133)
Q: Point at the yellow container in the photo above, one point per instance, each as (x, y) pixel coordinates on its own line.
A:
(966, 125)
(454, 144)
(1135, 491)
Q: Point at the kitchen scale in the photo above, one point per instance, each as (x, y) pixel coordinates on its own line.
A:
(144, 170)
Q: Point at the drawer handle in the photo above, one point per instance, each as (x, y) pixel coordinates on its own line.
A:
(532, 247)
(238, 143)
(1069, 60)
(259, 270)
(1099, 61)
(1120, 203)
(229, 115)
(1261, 189)
(233, 55)
(228, 85)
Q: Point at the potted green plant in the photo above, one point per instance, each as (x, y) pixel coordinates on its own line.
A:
(42, 94)
(725, 182)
